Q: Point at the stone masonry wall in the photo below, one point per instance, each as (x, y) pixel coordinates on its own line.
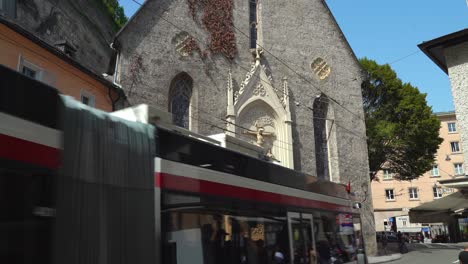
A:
(83, 23)
(457, 63)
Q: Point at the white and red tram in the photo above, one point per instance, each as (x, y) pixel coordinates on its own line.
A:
(86, 187)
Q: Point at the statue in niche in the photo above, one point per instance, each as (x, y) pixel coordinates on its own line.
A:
(270, 155)
(260, 134)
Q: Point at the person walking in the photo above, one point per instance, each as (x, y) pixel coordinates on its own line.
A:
(384, 241)
(402, 243)
(463, 256)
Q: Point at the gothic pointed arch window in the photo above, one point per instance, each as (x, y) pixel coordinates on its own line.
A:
(180, 94)
(321, 136)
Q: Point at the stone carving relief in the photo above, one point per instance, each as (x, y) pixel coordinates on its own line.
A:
(180, 41)
(247, 78)
(259, 90)
(261, 127)
(320, 68)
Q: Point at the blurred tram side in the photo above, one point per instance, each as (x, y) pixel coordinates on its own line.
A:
(78, 185)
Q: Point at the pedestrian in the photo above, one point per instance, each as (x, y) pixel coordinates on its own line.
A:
(463, 256)
(384, 241)
(402, 243)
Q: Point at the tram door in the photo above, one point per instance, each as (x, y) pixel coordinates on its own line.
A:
(301, 238)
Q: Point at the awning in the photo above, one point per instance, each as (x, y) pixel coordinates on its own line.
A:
(440, 209)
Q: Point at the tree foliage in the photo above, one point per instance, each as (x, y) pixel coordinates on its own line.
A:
(402, 131)
(116, 12)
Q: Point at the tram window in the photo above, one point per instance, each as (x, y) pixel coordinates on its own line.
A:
(26, 218)
(334, 232)
(207, 237)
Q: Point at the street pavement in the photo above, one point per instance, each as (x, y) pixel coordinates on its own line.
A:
(430, 254)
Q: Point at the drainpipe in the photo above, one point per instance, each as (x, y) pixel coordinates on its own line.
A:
(116, 68)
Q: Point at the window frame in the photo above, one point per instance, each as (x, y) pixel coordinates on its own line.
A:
(413, 191)
(91, 97)
(456, 170)
(437, 192)
(432, 170)
(25, 63)
(189, 85)
(454, 127)
(457, 144)
(387, 176)
(387, 196)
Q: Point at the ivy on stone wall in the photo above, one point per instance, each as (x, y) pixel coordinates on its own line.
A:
(218, 20)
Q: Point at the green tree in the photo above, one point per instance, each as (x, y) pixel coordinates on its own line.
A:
(116, 12)
(402, 131)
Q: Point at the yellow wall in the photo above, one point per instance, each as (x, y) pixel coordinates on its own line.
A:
(384, 209)
(65, 77)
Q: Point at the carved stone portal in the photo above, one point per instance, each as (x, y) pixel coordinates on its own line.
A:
(257, 114)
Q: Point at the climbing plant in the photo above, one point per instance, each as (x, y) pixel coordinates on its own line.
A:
(218, 20)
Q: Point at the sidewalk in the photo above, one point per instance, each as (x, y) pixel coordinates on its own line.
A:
(390, 254)
(382, 259)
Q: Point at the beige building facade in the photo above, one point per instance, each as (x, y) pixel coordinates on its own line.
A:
(392, 199)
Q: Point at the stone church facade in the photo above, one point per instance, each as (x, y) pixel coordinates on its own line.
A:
(279, 69)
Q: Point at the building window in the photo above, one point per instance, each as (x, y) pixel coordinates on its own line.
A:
(29, 69)
(29, 72)
(455, 146)
(404, 222)
(320, 121)
(435, 171)
(413, 193)
(387, 175)
(389, 195)
(452, 127)
(458, 168)
(437, 192)
(180, 95)
(87, 98)
(253, 23)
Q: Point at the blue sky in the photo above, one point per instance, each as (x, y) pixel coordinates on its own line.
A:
(387, 31)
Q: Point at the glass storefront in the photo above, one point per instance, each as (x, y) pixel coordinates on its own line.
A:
(463, 227)
(210, 234)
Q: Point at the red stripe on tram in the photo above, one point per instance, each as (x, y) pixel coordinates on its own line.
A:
(180, 183)
(29, 152)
